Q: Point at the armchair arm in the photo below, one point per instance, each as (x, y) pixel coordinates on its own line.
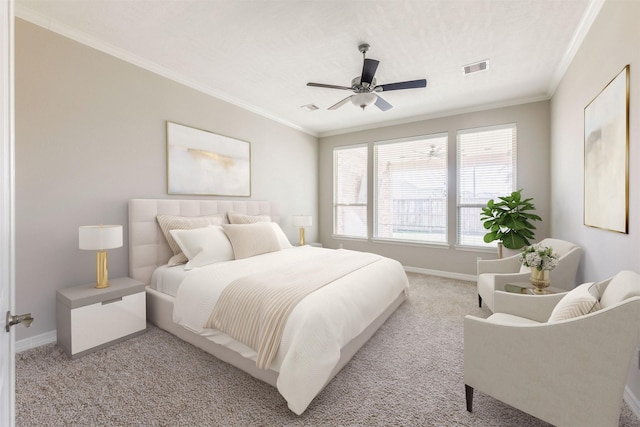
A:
(567, 373)
(500, 280)
(534, 307)
(503, 265)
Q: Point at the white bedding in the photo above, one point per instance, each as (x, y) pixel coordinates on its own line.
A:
(167, 279)
(319, 326)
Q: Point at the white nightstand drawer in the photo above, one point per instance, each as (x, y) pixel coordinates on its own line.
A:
(107, 321)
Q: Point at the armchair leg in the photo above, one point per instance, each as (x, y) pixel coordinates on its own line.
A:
(479, 301)
(469, 397)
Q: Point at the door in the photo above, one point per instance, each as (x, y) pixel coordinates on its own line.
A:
(7, 340)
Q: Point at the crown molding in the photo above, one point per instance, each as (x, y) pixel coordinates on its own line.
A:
(579, 35)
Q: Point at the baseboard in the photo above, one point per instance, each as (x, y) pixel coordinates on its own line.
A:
(37, 341)
(440, 273)
(632, 401)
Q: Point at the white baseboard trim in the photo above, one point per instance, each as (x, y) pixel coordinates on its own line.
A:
(37, 341)
(632, 401)
(439, 273)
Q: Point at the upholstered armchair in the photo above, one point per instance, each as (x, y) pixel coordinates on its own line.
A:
(494, 274)
(570, 367)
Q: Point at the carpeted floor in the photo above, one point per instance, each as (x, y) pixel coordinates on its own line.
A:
(409, 374)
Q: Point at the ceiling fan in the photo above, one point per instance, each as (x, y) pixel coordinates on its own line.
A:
(365, 88)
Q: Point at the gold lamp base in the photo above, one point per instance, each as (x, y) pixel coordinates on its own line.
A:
(102, 273)
(301, 236)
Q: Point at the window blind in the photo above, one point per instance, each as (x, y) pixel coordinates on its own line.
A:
(410, 200)
(350, 191)
(486, 169)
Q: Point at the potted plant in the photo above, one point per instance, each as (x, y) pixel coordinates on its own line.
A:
(509, 221)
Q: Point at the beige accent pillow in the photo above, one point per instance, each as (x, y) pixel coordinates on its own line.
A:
(575, 303)
(204, 246)
(620, 287)
(237, 218)
(252, 239)
(175, 222)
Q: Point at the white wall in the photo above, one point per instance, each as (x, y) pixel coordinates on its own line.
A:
(612, 43)
(90, 134)
(532, 175)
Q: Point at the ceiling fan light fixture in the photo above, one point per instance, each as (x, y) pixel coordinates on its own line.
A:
(363, 99)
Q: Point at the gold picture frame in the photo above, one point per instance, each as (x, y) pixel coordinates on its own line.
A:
(200, 162)
(606, 157)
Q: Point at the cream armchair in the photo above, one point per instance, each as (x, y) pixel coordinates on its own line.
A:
(566, 372)
(494, 274)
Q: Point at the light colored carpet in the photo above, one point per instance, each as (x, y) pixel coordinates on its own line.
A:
(409, 374)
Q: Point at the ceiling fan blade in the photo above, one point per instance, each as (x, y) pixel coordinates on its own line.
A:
(369, 70)
(340, 104)
(382, 104)
(329, 86)
(411, 84)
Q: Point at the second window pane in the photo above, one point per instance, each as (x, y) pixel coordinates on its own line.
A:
(411, 189)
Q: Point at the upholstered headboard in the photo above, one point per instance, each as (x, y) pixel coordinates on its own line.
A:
(148, 248)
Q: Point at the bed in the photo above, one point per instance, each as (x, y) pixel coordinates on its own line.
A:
(322, 331)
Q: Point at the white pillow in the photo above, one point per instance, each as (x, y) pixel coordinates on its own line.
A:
(252, 239)
(204, 246)
(577, 302)
(175, 222)
(282, 238)
(237, 218)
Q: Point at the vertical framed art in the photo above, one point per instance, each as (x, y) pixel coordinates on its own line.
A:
(200, 162)
(606, 157)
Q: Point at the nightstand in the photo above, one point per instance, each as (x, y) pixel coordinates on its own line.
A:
(89, 319)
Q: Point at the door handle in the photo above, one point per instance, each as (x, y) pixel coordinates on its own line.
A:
(25, 319)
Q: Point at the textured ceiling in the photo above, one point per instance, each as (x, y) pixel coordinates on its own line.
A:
(260, 54)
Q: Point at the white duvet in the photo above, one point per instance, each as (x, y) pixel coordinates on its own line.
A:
(319, 326)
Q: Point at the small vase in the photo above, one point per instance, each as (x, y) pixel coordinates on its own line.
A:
(540, 280)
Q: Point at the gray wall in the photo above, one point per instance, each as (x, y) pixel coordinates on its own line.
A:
(532, 175)
(611, 44)
(90, 134)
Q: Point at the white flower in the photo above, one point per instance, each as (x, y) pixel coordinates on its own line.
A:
(539, 257)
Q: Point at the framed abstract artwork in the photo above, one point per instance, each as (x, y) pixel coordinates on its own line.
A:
(606, 159)
(200, 162)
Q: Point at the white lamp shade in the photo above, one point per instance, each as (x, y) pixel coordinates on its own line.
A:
(100, 237)
(302, 220)
(363, 100)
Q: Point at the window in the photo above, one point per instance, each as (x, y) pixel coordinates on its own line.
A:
(486, 169)
(411, 189)
(350, 191)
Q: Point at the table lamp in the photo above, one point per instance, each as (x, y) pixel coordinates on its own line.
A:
(99, 238)
(302, 221)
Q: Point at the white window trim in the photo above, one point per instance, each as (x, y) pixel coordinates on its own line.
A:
(374, 203)
(491, 246)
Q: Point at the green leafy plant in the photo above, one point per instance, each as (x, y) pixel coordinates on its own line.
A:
(510, 220)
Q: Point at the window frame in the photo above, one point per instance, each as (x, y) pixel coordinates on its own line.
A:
(375, 196)
(336, 205)
(459, 205)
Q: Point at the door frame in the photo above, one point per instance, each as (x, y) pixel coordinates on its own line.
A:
(7, 209)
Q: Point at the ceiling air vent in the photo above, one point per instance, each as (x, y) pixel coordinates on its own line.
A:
(475, 67)
(309, 107)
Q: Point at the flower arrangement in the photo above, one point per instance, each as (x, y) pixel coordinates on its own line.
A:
(539, 257)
